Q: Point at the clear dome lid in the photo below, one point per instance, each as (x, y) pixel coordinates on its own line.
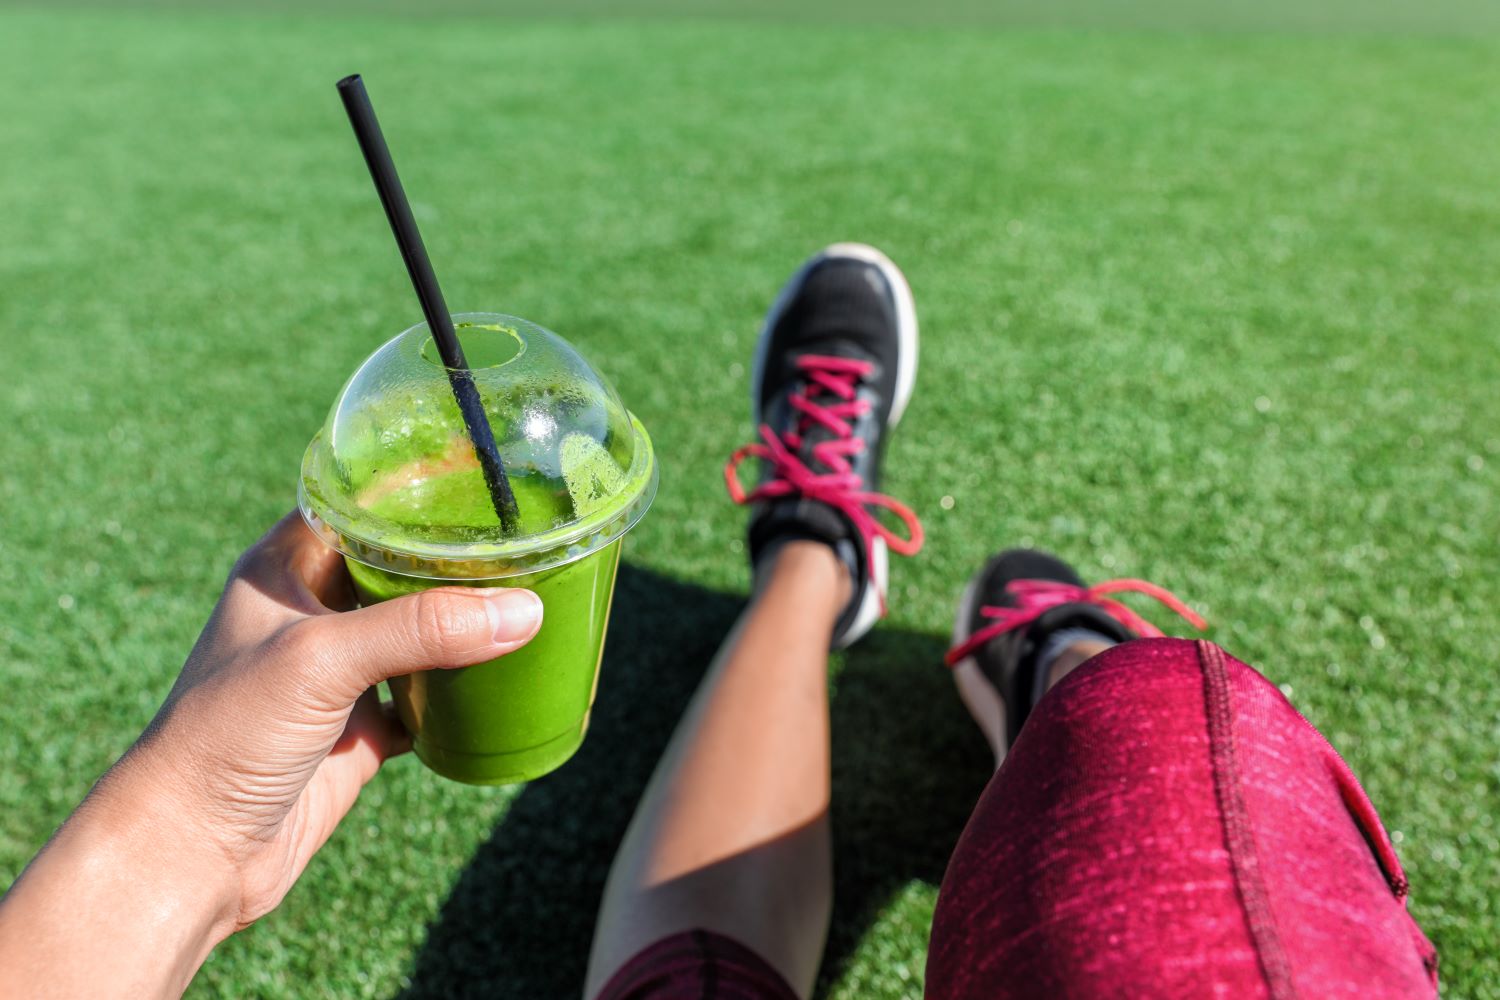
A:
(392, 479)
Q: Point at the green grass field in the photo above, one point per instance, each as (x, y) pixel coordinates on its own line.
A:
(1214, 308)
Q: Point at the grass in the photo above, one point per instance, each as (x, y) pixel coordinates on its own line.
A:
(1431, 17)
(1218, 310)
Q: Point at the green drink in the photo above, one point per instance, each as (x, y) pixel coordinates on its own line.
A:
(392, 482)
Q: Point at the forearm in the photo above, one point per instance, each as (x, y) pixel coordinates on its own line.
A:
(116, 905)
(205, 824)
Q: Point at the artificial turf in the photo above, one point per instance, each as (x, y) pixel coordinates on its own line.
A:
(1214, 309)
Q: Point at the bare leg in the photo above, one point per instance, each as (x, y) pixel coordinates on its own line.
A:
(732, 833)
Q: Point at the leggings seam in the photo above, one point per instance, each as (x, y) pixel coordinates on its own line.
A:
(1239, 837)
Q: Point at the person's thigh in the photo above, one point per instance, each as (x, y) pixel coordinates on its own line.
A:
(1167, 824)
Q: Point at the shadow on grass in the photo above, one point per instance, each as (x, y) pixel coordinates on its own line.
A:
(907, 767)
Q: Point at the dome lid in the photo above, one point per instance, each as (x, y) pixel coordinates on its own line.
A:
(392, 479)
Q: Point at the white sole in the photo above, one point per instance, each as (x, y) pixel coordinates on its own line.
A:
(906, 380)
(974, 689)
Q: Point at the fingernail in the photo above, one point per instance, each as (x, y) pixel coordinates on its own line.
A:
(514, 614)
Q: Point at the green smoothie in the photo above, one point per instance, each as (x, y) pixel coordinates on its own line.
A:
(521, 716)
(392, 482)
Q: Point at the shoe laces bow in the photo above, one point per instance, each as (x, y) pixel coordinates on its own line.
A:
(1036, 597)
(828, 400)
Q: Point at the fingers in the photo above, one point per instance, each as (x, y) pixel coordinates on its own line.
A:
(290, 568)
(371, 736)
(372, 731)
(290, 549)
(443, 627)
(320, 569)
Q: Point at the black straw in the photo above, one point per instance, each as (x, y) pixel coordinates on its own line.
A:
(414, 253)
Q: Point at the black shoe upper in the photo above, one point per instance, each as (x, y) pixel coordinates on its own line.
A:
(1009, 660)
(842, 307)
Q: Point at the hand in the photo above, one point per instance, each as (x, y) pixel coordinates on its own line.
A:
(261, 746)
(274, 724)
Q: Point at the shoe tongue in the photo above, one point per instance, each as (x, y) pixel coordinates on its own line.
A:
(815, 433)
(1080, 614)
(789, 374)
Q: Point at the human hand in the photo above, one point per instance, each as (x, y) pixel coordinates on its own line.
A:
(261, 746)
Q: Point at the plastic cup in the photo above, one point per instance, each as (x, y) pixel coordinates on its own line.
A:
(392, 482)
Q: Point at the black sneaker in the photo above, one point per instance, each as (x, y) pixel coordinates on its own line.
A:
(833, 373)
(1019, 599)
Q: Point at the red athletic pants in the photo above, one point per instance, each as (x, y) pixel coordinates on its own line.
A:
(1167, 825)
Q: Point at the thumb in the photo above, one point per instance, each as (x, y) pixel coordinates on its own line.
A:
(442, 627)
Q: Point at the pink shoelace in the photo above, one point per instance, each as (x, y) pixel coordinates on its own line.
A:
(840, 487)
(1035, 597)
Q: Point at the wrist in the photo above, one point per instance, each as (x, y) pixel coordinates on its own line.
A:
(119, 902)
(137, 816)
(149, 831)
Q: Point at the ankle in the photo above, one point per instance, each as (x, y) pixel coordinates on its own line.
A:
(1072, 657)
(809, 564)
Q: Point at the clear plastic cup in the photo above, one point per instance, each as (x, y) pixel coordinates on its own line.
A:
(392, 482)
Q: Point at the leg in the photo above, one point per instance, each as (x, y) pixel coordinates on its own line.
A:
(1167, 824)
(729, 849)
(732, 834)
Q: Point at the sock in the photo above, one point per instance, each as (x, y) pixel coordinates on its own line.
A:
(1052, 647)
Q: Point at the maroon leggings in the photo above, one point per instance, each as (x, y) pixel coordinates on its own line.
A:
(1167, 825)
